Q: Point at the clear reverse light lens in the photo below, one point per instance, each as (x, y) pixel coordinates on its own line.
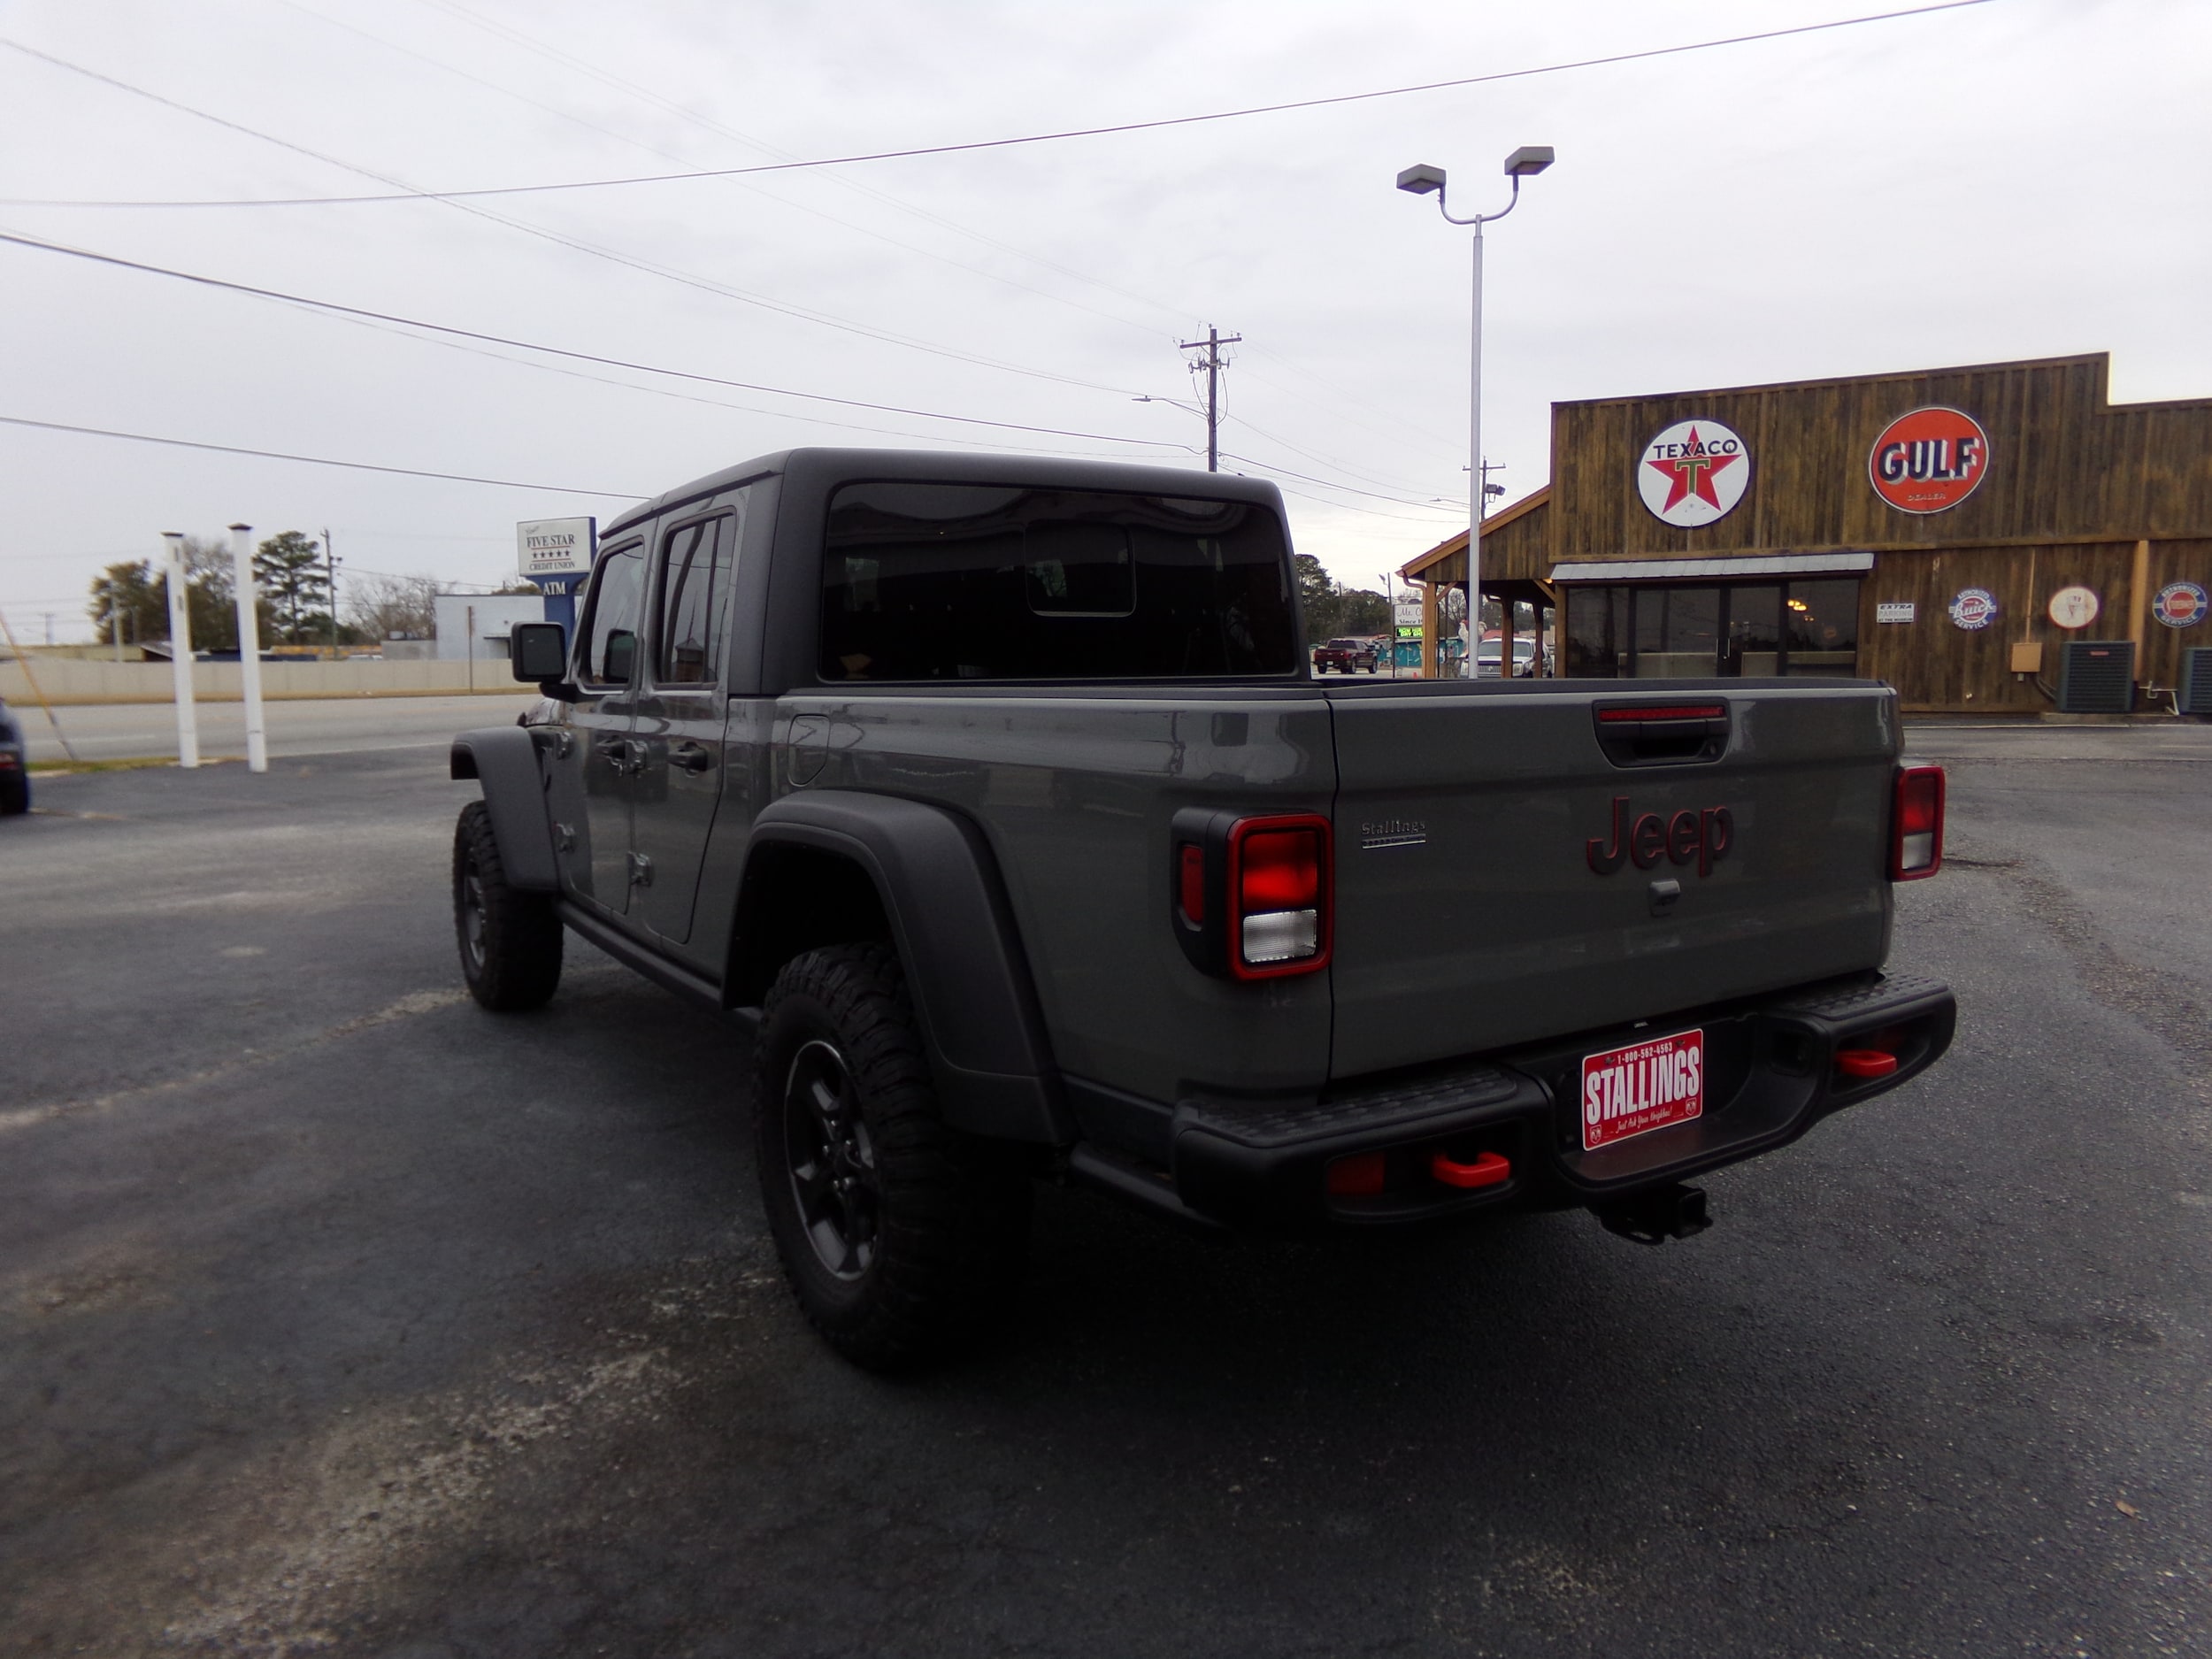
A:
(1282, 935)
(1916, 852)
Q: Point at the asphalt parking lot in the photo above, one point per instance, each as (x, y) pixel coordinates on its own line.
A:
(339, 1317)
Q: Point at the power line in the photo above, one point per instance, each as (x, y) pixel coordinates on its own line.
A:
(560, 351)
(537, 103)
(318, 460)
(1005, 143)
(705, 285)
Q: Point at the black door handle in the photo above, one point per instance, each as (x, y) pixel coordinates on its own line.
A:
(690, 757)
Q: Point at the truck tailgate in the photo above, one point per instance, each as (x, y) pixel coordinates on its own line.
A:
(1472, 912)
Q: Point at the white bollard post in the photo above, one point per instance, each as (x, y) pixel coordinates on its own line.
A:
(180, 650)
(249, 644)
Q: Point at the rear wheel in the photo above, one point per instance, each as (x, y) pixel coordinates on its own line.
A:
(899, 1235)
(510, 940)
(15, 792)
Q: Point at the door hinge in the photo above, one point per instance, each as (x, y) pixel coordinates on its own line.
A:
(640, 871)
(565, 837)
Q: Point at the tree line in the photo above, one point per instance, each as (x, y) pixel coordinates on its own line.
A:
(130, 600)
(1334, 612)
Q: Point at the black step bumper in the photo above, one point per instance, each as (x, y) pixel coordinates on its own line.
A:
(1771, 1074)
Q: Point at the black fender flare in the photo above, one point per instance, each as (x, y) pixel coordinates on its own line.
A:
(938, 882)
(504, 759)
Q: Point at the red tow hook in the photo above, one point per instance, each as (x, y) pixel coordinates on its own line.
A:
(1865, 1063)
(1488, 1170)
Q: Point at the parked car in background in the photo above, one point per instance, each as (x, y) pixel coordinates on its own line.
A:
(1488, 653)
(1345, 656)
(15, 766)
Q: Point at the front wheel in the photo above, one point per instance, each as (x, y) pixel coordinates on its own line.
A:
(15, 792)
(510, 940)
(899, 1235)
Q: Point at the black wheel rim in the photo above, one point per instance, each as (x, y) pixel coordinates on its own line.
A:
(472, 916)
(831, 1161)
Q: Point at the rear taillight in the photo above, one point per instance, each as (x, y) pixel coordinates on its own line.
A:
(1278, 893)
(1915, 848)
(1252, 895)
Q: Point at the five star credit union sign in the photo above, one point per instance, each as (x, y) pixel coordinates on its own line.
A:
(1693, 473)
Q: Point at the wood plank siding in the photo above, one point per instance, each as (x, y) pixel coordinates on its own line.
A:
(2075, 492)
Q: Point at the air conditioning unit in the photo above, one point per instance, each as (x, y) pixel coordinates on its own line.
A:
(2193, 695)
(2096, 677)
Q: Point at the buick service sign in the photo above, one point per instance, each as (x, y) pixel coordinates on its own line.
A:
(555, 547)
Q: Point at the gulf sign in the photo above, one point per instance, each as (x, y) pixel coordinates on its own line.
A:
(1929, 460)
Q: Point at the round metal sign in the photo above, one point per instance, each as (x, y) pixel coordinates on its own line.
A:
(1694, 473)
(2074, 607)
(2180, 604)
(1929, 460)
(1973, 609)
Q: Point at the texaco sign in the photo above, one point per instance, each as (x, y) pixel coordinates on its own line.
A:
(1693, 473)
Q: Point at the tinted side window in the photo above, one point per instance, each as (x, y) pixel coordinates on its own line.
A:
(695, 593)
(955, 581)
(610, 636)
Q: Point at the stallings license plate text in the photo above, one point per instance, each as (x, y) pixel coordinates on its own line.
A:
(1648, 1085)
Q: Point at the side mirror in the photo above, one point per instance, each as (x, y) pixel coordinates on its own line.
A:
(538, 650)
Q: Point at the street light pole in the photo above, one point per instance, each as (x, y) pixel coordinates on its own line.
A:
(1523, 162)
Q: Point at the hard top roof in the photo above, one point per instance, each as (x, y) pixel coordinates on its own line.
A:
(815, 467)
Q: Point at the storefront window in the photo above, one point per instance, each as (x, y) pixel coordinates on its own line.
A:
(1597, 632)
(1755, 631)
(1821, 627)
(1677, 631)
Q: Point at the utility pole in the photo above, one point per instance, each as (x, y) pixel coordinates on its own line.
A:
(1212, 364)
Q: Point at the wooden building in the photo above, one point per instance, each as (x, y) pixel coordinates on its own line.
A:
(1921, 528)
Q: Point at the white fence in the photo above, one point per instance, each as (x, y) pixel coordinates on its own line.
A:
(68, 681)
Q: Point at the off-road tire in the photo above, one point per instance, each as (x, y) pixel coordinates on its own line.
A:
(510, 942)
(933, 1225)
(15, 792)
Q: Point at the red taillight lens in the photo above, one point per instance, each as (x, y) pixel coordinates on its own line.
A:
(1280, 870)
(1278, 896)
(1190, 882)
(1917, 832)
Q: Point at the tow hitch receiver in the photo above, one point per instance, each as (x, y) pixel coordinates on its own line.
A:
(1653, 1218)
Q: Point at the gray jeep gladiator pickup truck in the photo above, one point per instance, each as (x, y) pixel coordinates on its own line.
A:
(996, 797)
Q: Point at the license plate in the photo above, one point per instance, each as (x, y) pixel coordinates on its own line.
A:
(1647, 1085)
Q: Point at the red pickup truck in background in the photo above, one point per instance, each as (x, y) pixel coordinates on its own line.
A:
(1345, 656)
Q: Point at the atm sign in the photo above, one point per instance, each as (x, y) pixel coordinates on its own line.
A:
(1929, 460)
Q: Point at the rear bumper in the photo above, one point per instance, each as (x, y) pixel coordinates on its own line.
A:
(1771, 1075)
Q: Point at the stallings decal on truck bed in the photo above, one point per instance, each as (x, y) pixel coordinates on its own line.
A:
(1699, 835)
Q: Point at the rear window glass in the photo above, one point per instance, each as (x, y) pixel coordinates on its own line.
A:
(960, 581)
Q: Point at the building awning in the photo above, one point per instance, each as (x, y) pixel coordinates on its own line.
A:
(1687, 570)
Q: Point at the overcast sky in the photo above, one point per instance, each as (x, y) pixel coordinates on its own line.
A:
(2019, 179)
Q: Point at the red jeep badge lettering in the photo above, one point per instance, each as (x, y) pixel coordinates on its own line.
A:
(1699, 835)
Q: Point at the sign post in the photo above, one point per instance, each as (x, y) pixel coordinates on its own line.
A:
(249, 644)
(556, 555)
(180, 649)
